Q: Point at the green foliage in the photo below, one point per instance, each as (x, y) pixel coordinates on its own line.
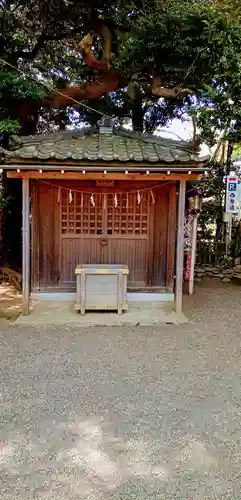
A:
(237, 151)
(195, 45)
(9, 126)
(14, 87)
(188, 43)
(19, 87)
(214, 195)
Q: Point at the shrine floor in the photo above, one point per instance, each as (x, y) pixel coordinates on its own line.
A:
(51, 310)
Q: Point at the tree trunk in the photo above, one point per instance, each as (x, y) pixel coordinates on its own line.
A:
(137, 115)
(134, 92)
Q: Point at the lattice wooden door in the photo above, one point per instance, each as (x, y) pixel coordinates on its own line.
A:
(113, 229)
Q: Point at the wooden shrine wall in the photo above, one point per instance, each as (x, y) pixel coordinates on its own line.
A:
(123, 229)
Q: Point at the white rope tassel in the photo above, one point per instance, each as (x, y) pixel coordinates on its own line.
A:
(92, 200)
(58, 196)
(127, 200)
(70, 197)
(115, 200)
(138, 197)
(82, 200)
(152, 197)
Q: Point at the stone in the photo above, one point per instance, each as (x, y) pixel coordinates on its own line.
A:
(227, 271)
(199, 270)
(237, 279)
(237, 269)
(226, 280)
(198, 280)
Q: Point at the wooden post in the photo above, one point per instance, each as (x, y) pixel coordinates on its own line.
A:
(25, 246)
(180, 245)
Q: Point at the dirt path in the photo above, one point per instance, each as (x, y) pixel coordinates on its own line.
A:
(125, 413)
(10, 302)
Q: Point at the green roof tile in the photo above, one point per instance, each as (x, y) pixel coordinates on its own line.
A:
(121, 146)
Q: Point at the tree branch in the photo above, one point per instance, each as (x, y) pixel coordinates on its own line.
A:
(159, 90)
(32, 54)
(109, 81)
(94, 90)
(85, 46)
(44, 37)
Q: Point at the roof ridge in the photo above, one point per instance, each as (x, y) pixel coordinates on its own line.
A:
(22, 141)
(158, 140)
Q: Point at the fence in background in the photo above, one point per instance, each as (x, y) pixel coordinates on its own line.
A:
(211, 252)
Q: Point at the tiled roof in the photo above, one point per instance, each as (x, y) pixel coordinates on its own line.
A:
(89, 145)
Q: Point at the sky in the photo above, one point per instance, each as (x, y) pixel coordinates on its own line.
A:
(182, 130)
(177, 130)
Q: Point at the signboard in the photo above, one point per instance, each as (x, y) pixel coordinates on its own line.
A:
(105, 183)
(232, 194)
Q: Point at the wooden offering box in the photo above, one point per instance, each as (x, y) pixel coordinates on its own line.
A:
(101, 287)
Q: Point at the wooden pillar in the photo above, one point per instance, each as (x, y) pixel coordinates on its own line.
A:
(180, 245)
(25, 246)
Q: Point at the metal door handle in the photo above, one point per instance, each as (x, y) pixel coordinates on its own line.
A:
(103, 242)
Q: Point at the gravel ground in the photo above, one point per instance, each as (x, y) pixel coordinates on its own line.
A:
(139, 413)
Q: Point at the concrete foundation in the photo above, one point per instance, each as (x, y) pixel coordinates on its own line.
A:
(58, 309)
